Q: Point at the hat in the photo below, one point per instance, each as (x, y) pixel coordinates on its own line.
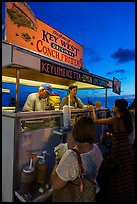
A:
(47, 87)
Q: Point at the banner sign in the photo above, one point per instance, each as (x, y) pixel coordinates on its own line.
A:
(27, 31)
(60, 71)
(99, 82)
(116, 86)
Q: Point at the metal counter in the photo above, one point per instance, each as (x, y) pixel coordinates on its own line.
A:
(24, 132)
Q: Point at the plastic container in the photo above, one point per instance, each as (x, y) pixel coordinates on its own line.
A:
(98, 104)
(27, 180)
(66, 116)
(41, 172)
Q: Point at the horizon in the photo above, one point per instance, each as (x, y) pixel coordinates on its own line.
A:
(101, 97)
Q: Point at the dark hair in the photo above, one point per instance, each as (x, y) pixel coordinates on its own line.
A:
(122, 106)
(84, 130)
(132, 105)
(72, 86)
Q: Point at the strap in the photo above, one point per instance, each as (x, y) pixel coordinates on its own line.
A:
(75, 103)
(79, 162)
(68, 100)
(81, 168)
(34, 108)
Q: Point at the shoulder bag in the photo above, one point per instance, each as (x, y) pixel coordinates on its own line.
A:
(79, 190)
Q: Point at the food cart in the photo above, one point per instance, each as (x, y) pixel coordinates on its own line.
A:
(24, 133)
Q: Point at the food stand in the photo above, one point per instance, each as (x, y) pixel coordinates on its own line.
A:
(24, 133)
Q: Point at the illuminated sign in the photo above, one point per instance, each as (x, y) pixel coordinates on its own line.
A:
(116, 85)
(25, 30)
(57, 70)
(60, 71)
(99, 82)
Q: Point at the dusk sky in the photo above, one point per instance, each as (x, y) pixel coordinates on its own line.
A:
(106, 30)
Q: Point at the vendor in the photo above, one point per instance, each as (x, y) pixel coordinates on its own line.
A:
(72, 100)
(39, 101)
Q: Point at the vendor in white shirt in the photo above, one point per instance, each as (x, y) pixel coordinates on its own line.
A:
(71, 100)
(39, 101)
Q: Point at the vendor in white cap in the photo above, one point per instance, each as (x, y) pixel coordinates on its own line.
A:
(39, 101)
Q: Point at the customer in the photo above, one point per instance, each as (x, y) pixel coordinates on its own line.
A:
(39, 101)
(131, 109)
(71, 99)
(68, 170)
(121, 186)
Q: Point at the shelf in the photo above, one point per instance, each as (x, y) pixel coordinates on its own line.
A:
(62, 131)
(37, 198)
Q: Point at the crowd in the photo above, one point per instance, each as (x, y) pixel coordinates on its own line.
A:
(84, 173)
(113, 172)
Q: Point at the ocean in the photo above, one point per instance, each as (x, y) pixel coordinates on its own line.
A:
(110, 100)
(8, 100)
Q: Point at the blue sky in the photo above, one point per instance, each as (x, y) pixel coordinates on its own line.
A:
(106, 30)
